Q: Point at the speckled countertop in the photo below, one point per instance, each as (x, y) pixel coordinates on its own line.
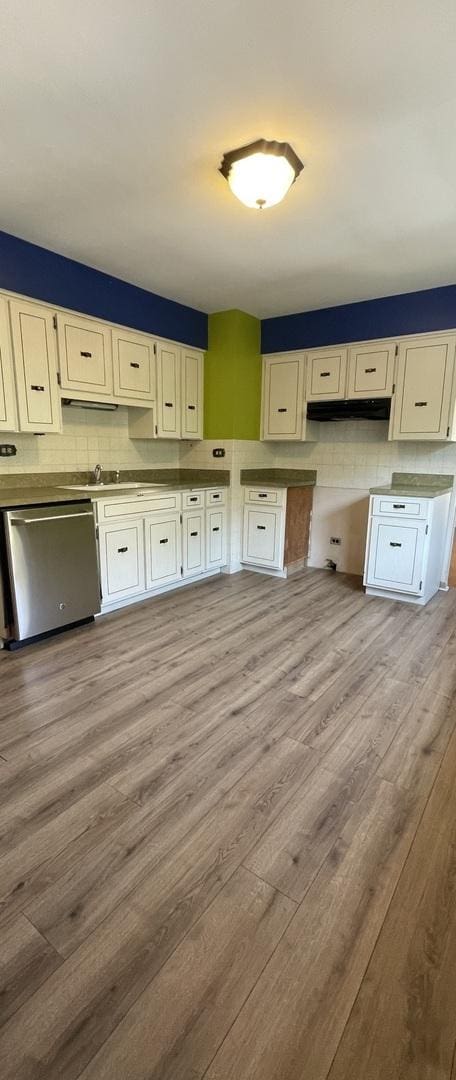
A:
(282, 478)
(412, 485)
(22, 489)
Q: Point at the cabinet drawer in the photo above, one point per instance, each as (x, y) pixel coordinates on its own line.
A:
(397, 507)
(192, 500)
(138, 506)
(216, 498)
(265, 496)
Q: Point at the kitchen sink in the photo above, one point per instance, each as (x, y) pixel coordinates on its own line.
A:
(109, 487)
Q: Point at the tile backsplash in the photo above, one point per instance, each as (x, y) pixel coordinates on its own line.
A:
(89, 436)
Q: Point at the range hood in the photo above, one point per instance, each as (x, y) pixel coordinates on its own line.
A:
(359, 409)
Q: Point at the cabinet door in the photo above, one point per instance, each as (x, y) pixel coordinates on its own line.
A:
(424, 379)
(35, 357)
(133, 358)
(192, 394)
(283, 397)
(371, 370)
(121, 560)
(163, 549)
(85, 356)
(326, 374)
(263, 537)
(168, 391)
(396, 555)
(8, 416)
(193, 541)
(215, 538)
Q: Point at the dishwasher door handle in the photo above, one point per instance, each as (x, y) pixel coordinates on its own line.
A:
(52, 517)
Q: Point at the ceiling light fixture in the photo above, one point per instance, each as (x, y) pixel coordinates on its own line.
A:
(261, 173)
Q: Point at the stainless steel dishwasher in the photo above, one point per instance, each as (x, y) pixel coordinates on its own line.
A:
(51, 555)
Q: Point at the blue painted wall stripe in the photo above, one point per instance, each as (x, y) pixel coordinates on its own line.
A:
(34, 271)
(389, 316)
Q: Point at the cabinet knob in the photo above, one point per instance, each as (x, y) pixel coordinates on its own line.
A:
(262, 527)
(282, 410)
(216, 496)
(168, 404)
(193, 534)
(395, 543)
(262, 494)
(88, 354)
(193, 498)
(398, 506)
(164, 541)
(324, 374)
(191, 407)
(420, 404)
(216, 528)
(121, 550)
(134, 364)
(33, 386)
(369, 370)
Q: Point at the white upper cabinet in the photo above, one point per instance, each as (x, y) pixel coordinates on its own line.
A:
(371, 369)
(85, 357)
(283, 407)
(326, 374)
(192, 394)
(35, 358)
(8, 414)
(423, 407)
(133, 359)
(168, 391)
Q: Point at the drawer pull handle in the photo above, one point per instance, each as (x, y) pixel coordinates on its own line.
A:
(262, 494)
(420, 404)
(164, 541)
(262, 527)
(121, 550)
(282, 410)
(324, 374)
(216, 528)
(134, 364)
(398, 506)
(193, 534)
(33, 386)
(168, 404)
(395, 543)
(216, 496)
(88, 354)
(193, 498)
(369, 370)
(191, 407)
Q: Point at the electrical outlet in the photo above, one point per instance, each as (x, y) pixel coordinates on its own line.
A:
(218, 452)
(7, 450)
(335, 539)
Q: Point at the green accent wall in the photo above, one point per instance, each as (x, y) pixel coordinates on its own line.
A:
(232, 377)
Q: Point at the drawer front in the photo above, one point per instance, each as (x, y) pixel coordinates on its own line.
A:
(397, 507)
(192, 500)
(216, 498)
(265, 496)
(396, 552)
(137, 507)
(263, 537)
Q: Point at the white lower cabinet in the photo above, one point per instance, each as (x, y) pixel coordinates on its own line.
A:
(263, 537)
(163, 549)
(405, 547)
(193, 543)
(215, 538)
(121, 548)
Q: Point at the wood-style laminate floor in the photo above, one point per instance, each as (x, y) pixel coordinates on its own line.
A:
(227, 839)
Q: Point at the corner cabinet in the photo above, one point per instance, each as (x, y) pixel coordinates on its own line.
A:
(423, 404)
(35, 361)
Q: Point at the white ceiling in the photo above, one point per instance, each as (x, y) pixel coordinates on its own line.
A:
(115, 115)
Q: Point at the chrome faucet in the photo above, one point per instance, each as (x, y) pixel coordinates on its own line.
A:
(97, 474)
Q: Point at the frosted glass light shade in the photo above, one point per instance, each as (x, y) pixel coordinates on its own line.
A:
(261, 174)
